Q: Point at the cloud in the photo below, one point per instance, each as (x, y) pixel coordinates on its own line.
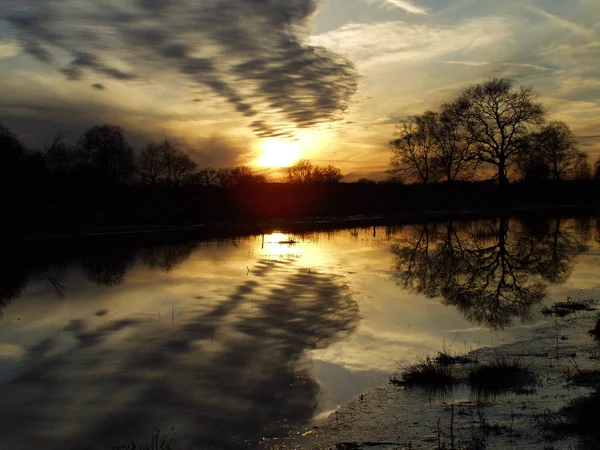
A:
(386, 43)
(252, 53)
(98, 86)
(9, 49)
(407, 6)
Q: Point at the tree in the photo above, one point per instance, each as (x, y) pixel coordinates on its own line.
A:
(301, 172)
(497, 116)
(11, 154)
(207, 177)
(151, 164)
(558, 146)
(183, 167)
(597, 169)
(455, 156)
(61, 159)
(414, 149)
(327, 174)
(105, 152)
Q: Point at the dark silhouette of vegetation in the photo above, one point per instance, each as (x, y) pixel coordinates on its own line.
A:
(305, 172)
(98, 185)
(492, 271)
(105, 153)
(492, 127)
(501, 374)
(427, 373)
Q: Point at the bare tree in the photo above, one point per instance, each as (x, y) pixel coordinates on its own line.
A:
(150, 163)
(496, 116)
(327, 174)
(208, 177)
(301, 172)
(60, 157)
(11, 152)
(415, 148)
(182, 167)
(558, 146)
(225, 180)
(104, 150)
(456, 158)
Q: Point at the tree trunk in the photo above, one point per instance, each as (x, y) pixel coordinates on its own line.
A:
(502, 177)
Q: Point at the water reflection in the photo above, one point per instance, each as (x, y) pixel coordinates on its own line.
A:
(230, 373)
(230, 341)
(492, 271)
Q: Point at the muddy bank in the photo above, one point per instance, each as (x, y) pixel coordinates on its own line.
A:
(529, 418)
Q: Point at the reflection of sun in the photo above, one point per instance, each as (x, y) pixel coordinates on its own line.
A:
(278, 153)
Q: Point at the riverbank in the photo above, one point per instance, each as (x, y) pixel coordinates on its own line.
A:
(92, 210)
(562, 357)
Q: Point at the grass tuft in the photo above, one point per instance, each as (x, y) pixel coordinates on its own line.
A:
(582, 419)
(426, 373)
(595, 332)
(444, 358)
(501, 375)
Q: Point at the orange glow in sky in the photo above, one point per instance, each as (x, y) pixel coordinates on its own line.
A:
(278, 152)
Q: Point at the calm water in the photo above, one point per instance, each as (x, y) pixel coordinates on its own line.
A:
(222, 343)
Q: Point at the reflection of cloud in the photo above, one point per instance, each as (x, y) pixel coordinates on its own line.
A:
(251, 54)
(11, 351)
(231, 373)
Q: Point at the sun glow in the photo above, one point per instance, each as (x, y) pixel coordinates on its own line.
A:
(278, 153)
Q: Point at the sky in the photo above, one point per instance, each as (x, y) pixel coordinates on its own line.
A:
(266, 82)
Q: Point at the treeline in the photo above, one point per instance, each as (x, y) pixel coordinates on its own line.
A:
(492, 130)
(103, 156)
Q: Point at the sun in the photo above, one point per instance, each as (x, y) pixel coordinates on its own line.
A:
(278, 153)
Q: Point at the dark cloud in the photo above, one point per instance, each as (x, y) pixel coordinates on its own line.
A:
(218, 151)
(252, 53)
(98, 86)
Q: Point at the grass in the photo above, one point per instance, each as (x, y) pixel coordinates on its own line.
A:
(444, 358)
(570, 306)
(595, 332)
(501, 375)
(157, 442)
(582, 419)
(426, 373)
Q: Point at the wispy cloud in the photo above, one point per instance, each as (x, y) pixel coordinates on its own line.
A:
(407, 6)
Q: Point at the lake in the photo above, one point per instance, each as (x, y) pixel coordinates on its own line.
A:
(224, 343)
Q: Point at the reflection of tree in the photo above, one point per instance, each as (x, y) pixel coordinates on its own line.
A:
(234, 372)
(492, 271)
(108, 269)
(167, 257)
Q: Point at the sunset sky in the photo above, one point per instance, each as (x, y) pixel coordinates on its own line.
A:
(326, 80)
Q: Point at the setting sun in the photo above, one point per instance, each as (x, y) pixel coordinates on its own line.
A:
(278, 153)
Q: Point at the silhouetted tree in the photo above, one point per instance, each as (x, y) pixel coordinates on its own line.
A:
(150, 163)
(61, 158)
(557, 146)
(414, 150)
(104, 151)
(301, 172)
(207, 177)
(305, 172)
(183, 168)
(497, 116)
(455, 158)
(327, 174)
